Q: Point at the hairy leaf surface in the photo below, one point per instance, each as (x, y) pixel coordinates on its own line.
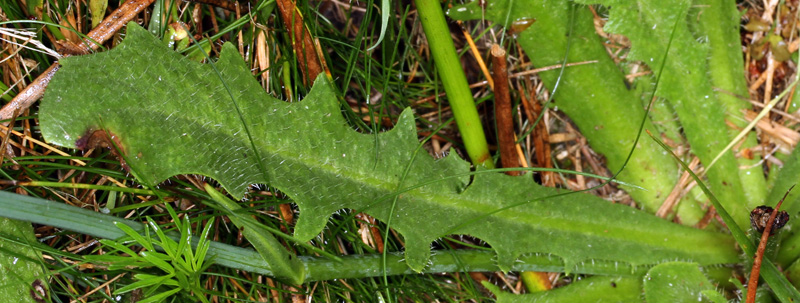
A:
(599, 92)
(22, 278)
(678, 282)
(597, 289)
(173, 116)
(685, 84)
(593, 95)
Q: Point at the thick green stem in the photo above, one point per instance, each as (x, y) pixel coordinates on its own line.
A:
(455, 82)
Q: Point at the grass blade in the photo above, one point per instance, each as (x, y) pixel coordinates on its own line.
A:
(284, 265)
(784, 290)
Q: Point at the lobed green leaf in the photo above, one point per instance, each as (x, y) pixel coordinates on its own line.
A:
(173, 116)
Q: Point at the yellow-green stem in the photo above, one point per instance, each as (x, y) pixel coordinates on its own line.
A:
(455, 82)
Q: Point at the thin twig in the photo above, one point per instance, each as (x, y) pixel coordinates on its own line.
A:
(774, 129)
(547, 68)
(507, 142)
(541, 138)
(752, 284)
(96, 37)
(8, 136)
(758, 104)
(678, 190)
(477, 54)
(113, 23)
(29, 94)
(516, 75)
(4, 128)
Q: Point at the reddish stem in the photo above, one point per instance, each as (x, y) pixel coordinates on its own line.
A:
(752, 284)
(303, 46)
(502, 111)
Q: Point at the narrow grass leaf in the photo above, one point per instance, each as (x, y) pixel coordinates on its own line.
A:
(115, 245)
(168, 245)
(161, 296)
(782, 288)
(144, 280)
(202, 245)
(138, 238)
(285, 265)
(184, 243)
(386, 11)
(158, 260)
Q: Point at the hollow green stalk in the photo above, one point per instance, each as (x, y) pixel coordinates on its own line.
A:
(455, 82)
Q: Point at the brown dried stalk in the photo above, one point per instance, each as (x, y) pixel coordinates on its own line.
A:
(301, 40)
(502, 111)
(752, 284)
(96, 37)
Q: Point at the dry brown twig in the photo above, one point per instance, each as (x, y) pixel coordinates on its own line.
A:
(774, 130)
(507, 140)
(515, 75)
(104, 31)
(680, 188)
(477, 54)
(502, 111)
(96, 37)
(752, 284)
(301, 41)
(541, 141)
